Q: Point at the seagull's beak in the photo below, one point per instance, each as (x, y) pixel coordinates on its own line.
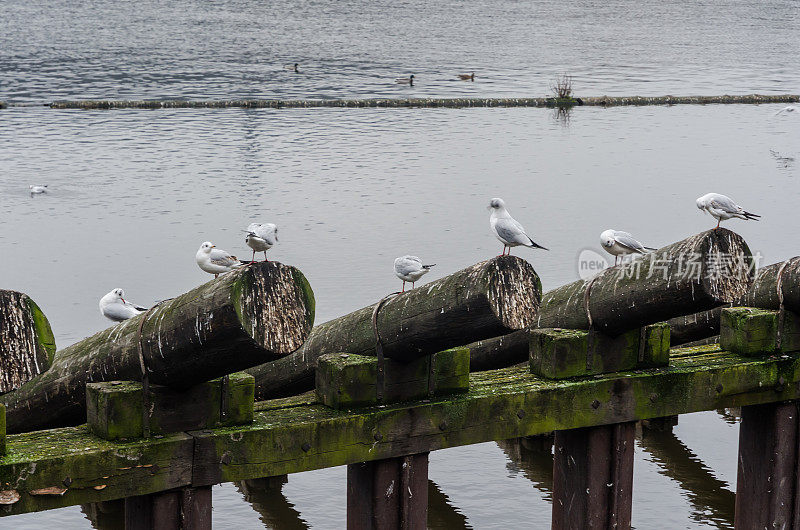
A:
(123, 300)
(213, 246)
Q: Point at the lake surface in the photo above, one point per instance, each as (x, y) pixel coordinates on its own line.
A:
(133, 193)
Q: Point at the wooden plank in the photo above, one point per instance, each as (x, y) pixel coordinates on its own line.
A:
(138, 513)
(196, 508)
(593, 477)
(166, 510)
(766, 489)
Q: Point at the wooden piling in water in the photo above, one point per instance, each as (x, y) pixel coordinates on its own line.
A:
(185, 508)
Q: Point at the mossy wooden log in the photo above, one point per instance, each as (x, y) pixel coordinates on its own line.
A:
(699, 273)
(697, 326)
(498, 352)
(114, 409)
(756, 332)
(485, 300)
(27, 344)
(764, 291)
(244, 318)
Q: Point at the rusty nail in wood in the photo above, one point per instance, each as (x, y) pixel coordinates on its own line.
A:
(595, 404)
(67, 481)
(653, 397)
(306, 446)
(520, 414)
(719, 388)
(226, 458)
(378, 436)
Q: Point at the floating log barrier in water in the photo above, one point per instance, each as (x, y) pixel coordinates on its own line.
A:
(699, 273)
(602, 101)
(485, 300)
(244, 318)
(27, 344)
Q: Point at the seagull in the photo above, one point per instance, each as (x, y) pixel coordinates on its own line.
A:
(261, 237)
(721, 207)
(215, 261)
(467, 77)
(292, 67)
(405, 80)
(37, 189)
(114, 307)
(410, 269)
(786, 110)
(618, 243)
(507, 229)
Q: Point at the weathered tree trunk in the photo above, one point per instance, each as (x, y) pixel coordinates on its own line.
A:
(694, 327)
(26, 340)
(244, 318)
(487, 299)
(764, 291)
(696, 274)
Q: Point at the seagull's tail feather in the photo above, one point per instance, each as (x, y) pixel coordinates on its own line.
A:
(751, 216)
(140, 308)
(534, 244)
(651, 249)
(426, 267)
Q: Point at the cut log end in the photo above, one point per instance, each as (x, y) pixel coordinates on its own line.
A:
(27, 344)
(275, 304)
(728, 265)
(515, 291)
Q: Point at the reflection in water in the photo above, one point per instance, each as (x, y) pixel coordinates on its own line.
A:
(441, 513)
(710, 497)
(731, 415)
(266, 498)
(533, 456)
(107, 515)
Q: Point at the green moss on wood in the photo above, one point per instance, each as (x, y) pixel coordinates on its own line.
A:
(44, 333)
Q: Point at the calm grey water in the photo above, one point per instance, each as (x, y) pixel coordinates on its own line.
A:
(134, 193)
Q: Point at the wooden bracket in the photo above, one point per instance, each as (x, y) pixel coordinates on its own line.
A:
(114, 409)
(562, 353)
(758, 332)
(346, 380)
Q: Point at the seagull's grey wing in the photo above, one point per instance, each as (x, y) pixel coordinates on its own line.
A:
(136, 307)
(407, 265)
(725, 203)
(627, 241)
(268, 232)
(222, 258)
(511, 231)
(116, 312)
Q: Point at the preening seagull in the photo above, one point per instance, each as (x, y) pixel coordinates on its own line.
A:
(410, 269)
(721, 207)
(507, 229)
(261, 238)
(114, 307)
(215, 261)
(36, 189)
(618, 243)
(787, 110)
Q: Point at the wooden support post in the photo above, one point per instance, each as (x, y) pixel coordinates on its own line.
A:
(186, 508)
(2, 429)
(593, 477)
(767, 483)
(758, 332)
(388, 494)
(561, 353)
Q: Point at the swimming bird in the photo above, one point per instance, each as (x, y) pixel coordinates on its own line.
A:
(36, 189)
(507, 229)
(292, 67)
(215, 261)
(618, 243)
(261, 238)
(114, 307)
(787, 110)
(467, 77)
(410, 269)
(405, 80)
(721, 207)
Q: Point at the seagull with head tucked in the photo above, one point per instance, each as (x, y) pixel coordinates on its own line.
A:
(214, 260)
(507, 229)
(114, 307)
(410, 269)
(618, 243)
(721, 207)
(261, 238)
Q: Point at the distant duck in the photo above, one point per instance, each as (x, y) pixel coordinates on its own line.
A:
(114, 307)
(467, 77)
(37, 189)
(261, 238)
(410, 269)
(405, 80)
(215, 261)
(292, 67)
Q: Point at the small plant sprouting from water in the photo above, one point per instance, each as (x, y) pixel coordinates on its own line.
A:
(562, 86)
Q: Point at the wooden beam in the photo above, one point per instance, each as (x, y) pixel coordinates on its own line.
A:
(593, 477)
(767, 474)
(390, 494)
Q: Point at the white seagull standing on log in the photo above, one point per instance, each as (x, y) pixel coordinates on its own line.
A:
(721, 207)
(214, 260)
(618, 243)
(507, 229)
(114, 307)
(261, 238)
(410, 269)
